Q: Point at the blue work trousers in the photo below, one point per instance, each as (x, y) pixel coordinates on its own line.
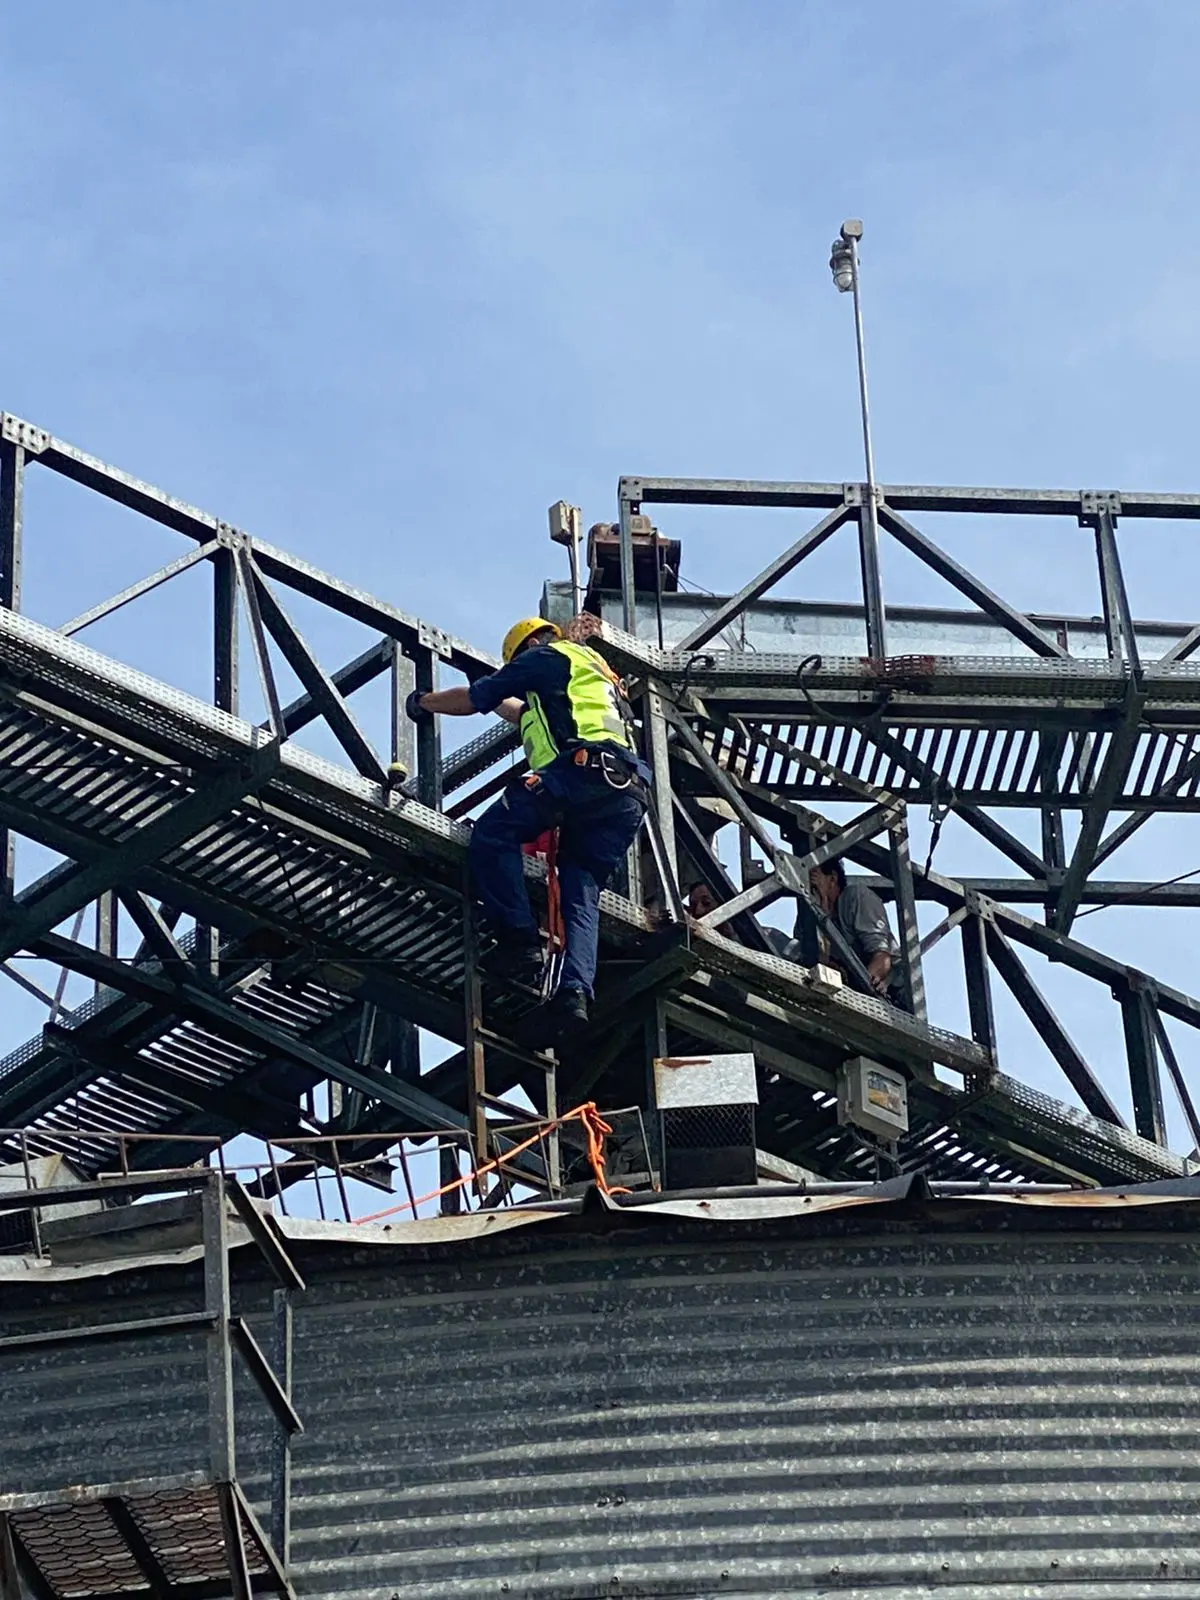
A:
(596, 823)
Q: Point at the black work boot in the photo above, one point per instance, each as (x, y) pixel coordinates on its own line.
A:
(563, 1016)
(517, 958)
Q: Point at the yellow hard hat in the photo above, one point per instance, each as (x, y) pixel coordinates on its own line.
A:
(520, 631)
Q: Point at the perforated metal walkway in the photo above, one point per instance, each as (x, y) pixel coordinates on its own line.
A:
(361, 891)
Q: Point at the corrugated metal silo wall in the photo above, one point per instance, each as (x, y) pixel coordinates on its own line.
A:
(1005, 1405)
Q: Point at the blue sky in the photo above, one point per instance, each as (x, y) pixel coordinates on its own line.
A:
(379, 281)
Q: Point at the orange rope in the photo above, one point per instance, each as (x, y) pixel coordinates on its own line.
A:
(596, 1129)
(594, 1125)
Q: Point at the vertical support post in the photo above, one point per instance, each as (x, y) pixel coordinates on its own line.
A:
(226, 698)
(979, 984)
(12, 503)
(403, 680)
(1141, 1050)
(405, 1049)
(222, 1460)
(225, 631)
(10, 1582)
(281, 1476)
(107, 929)
(660, 766)
(553, 1141)
(1118, 619)
(429, 736)
(472, 1042)
(656, 1047)
(627, 510)
(451, 1202)
(906, 917)
(235, 1545)
(872, 581)
(12, 495)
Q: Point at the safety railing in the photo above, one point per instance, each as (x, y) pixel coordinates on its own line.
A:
(349, 1177)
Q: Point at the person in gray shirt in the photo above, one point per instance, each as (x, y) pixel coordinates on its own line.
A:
(859, 915)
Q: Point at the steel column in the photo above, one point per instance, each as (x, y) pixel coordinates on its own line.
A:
(1117, 761)
(221, 1456)
(1141, 1050)
(626, 510)
(1171, 1061)
(979, 983)
(225, 631)
(1060, 1045)
(477, 1119)
(907, 928)
(281, 1471)
(107, 928)
(403, 682)
(872, 580)
(1118, 619)
(428, 733)
(12, 494)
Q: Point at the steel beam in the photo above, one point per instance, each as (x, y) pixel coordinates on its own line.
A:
(428, 733)
(1141, 1050)
(874, 613)
(320, 686)
(714, 875)
(908, 930)
(1035, 1006)
(12, 495)
(766, 579)
(1017, 623)
(148, 1564)
(12, 489)
(243, 1027)
(1118, 619)
(978, 981)
(1111, 779)
(106, 608)
(34, 914)
(951, 893)
(258, 639)
(365, 668)
(1167, 1052)
(281, 1466)
(625, 513)
(1096, 892)
(222, 1462)
(655, 725)
(899, 497)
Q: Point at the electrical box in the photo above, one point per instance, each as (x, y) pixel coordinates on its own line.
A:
(873, 1097)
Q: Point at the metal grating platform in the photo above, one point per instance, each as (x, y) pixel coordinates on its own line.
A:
(329, 895)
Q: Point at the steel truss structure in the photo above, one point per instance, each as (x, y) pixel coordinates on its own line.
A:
(194, 1535)
(268, 921)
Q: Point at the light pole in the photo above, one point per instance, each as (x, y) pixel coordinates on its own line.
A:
(843, 263)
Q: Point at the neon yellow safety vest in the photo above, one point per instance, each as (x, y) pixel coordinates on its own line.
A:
(593, 707)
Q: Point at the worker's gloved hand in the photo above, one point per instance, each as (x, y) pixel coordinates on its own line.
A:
(414, 710)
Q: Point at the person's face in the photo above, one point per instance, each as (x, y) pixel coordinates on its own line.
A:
(701, 901)
(824, 886)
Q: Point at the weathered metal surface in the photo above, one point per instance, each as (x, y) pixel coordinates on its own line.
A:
(875, 1405)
